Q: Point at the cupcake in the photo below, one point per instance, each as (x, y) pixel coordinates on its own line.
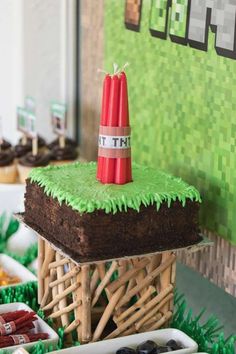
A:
(8, 170)
(21, 150)
(29, 161)
(68, 142)
(5, 145)
(60, 156)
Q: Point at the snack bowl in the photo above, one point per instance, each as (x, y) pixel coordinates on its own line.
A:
(14, 268)
(161, 336)
(40, 326)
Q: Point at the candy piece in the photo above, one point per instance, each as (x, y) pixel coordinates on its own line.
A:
(125, 350)
(173, 344)
(148, 347)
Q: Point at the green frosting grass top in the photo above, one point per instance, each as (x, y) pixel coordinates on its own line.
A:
(76, 186)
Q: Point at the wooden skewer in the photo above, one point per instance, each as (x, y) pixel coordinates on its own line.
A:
(121, 271)
(67, 309)
(102, 274)
(49, 256)
(154, 263)
(62, 142)
(163, 320)
(104, 282)
(40, 263)
(150, 323)
(86, 305)
(165, 277)
(152, 312)
(129, 331)
(140, 275)
(61, 288)
(56, 264)
(107, 313)
(94, 281)
(24, 139)
(60, 296)
(72, 326)
(47, 289)
(149, 279)
(35, 146)
(140, 313)
(65, 277)
(128, 275)
(137, 305)
(131, 284)
(77, 296)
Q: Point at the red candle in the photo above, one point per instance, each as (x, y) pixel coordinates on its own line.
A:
(123, 165)
(108, 170)
(103, 117)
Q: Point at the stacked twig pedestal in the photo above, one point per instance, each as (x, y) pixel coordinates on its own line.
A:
(106, 299)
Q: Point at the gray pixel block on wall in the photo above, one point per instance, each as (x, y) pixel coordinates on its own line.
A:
(218, 13)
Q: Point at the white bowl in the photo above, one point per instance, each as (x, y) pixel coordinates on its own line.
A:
(110, 346)
(15, 268)
(40, 326)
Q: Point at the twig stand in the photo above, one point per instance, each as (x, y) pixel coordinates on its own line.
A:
(105, 300)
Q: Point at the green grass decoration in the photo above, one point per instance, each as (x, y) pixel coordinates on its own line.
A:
(208, 334)
(76, 185)
(8, 227)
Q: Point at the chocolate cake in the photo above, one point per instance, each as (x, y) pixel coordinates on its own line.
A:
(90, 220)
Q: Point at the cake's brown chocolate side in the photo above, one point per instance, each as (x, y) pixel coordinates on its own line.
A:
(106, 236)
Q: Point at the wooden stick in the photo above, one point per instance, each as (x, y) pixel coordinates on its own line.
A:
(72, 326)
(65, 277)
(140, 275)
(107, 313)
(47, 289)
(165, 277)
(59, 263)
(77, 296)
(94, 281)
(35, 146)
(149, 279)
(24, 139)
(164, 319)
(137, 305)
(155, 261)
(148, 324)
(61, 288)
(128, 275)
(121, 271)
(67, 309)
(40, 263)
(102, 274)
(104, 282)
(152, 312)
(131, 284)
(60, 296)
(49, 256)
(86, 305)
(62, 142)
(140, 313)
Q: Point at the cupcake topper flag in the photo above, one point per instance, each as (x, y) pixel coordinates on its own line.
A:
(114, 149)
(58, 113)
(26, 123)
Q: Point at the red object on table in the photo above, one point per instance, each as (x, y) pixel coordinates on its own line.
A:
(103, 118)
(114, 153)
(109, 164)
(123, 165)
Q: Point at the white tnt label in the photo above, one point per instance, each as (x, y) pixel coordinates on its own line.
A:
(114, 142)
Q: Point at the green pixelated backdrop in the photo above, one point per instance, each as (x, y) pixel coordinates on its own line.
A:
(182, 109)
